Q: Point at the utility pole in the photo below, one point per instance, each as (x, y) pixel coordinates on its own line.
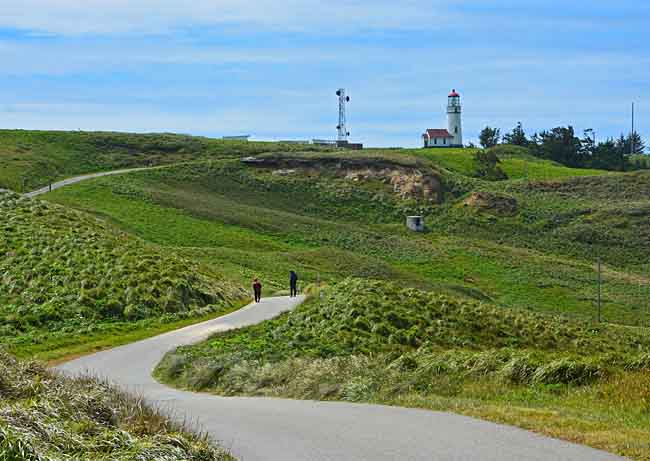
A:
(632, 135)
(600, 283)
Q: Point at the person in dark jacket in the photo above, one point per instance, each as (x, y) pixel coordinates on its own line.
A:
(257, 290)
(293, 283)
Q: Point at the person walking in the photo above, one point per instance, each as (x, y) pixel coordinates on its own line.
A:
(257, 290)
(293, 283)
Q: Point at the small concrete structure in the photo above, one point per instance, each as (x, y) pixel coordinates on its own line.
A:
(415, 223)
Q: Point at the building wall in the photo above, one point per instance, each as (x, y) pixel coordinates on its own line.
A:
(454, 120)
(441, 142)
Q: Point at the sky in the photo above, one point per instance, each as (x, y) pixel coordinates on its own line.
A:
(270, 68)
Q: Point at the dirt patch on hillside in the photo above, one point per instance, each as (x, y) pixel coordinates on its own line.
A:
(496, 204)
(407, 182)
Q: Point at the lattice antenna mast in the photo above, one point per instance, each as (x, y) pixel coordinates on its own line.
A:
(342, 126)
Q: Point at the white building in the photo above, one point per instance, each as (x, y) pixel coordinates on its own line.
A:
(437, 137)
(453, 135)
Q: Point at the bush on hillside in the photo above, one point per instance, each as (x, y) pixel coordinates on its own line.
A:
(487, 166)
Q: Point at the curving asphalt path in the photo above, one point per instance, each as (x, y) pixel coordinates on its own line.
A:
(85, 177)
(257, 429)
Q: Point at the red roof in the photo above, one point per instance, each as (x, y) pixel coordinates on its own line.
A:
(438, 133)
(453, 94)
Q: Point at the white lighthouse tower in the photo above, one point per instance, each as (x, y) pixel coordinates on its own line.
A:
(454, 119)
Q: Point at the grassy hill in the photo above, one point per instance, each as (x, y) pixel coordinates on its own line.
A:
(48, 417)
(338, 215)
(32, 159)
(491, 312)
(516, 162)
(69, 279)
(375, 342)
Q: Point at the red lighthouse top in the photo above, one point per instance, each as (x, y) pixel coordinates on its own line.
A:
(453, 94)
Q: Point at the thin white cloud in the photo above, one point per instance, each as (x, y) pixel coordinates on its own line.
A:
(73, 17)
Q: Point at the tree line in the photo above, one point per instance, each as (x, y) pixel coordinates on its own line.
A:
(562, 145)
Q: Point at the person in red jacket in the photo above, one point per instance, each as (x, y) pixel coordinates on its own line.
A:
(257, 290)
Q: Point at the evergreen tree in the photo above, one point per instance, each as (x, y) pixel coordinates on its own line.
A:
(588, 146)
(625, 144)
(517, 137)
(610, 155)
(560, 145)
(638, 165)
(490, 137)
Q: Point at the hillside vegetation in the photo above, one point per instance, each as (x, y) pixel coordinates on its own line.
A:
(491, 312)
(68, 278)
(32, 159)
(375, 342)
(44, 417)
(338, 215)
(517, 162)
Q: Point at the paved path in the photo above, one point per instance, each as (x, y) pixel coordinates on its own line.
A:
(76, 179)
(259, 429)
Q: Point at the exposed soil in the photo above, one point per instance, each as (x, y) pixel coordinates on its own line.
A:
(497, 204)
(407, 182)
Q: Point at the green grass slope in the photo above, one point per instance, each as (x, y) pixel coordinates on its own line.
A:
(44, 417)
(580, 218)
(32, 159)
(376, 342)
(322, 216)
(516, 162)
(68, 278)
(359, 316)
(491, 312)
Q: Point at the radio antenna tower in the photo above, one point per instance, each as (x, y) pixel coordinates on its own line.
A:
(341, 127)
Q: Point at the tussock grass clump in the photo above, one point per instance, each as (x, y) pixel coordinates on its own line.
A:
(565, 371)
(65, 271)
(48, 417)
(414, 333)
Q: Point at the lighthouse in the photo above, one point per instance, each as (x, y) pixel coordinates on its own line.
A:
(454, 121)
(453, 135)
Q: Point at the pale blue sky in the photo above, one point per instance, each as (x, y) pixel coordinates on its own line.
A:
(270, 68)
